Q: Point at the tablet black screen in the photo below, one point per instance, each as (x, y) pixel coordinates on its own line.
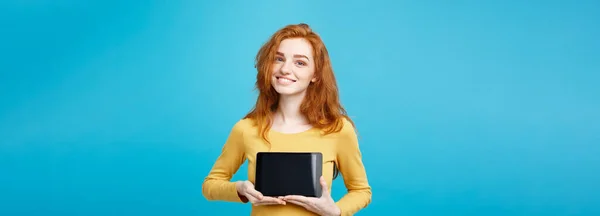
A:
(289, 173)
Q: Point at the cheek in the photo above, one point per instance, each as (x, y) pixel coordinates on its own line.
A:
(306, 74)
(274, 68)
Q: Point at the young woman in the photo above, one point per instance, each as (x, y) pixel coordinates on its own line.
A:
(298, 109)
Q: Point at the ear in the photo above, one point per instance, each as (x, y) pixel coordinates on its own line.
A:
(313, 79)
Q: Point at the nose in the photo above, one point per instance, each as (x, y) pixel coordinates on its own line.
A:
(285, 68)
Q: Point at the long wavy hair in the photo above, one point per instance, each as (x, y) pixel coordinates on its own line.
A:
(321, 104)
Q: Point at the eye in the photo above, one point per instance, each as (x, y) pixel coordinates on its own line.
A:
(278, 59)
(301, 63)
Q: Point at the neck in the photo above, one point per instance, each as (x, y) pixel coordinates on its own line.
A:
(288, 109)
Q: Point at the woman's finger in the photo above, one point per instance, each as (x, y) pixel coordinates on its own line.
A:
(270, 201)
(251, 198)
(280, 201)
(266, 203)
(302, 204)
(297, 198)
(324, 187)
(251, 191)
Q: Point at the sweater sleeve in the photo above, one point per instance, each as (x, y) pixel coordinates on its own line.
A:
(351, 167)
(218, 185)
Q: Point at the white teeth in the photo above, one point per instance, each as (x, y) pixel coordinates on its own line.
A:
(284, 80)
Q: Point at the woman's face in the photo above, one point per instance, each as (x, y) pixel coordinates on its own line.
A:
(294, 68)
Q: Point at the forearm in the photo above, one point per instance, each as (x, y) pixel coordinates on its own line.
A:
(218, 185)
(354, 201)
(222, 190)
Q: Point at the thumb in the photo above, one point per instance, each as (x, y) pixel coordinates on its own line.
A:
(324, 186)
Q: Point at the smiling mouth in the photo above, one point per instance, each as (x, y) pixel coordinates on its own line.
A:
(286, 79)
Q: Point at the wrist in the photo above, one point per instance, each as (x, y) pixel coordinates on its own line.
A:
(243, 198)
(237, 186)
(336, 211)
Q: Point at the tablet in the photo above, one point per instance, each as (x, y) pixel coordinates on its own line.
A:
(289, 173)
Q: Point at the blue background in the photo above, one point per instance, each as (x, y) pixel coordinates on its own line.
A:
(463, 108)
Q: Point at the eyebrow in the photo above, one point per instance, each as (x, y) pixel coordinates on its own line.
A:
(295, 56)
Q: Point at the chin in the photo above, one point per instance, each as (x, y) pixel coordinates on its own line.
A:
(285, 90)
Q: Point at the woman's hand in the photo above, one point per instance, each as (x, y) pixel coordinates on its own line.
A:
(246, 189)
(323, 205)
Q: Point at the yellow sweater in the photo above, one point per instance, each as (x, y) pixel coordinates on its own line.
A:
(244, 142)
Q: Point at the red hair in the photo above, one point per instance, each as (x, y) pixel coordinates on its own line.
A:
(321, 105)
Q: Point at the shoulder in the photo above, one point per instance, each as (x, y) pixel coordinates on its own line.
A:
(348, 129)
(239, 131)
(348, 126)
(346, 138)
(242, 126)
